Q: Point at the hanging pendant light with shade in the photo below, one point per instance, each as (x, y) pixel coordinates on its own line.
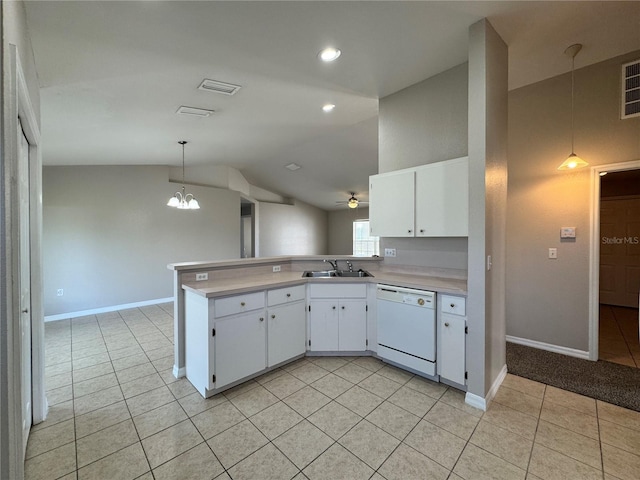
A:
(182, 200)
(573, 161)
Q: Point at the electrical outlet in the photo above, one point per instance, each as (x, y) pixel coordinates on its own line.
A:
(202, 276)
(60, 292)
(277, 268)
(389, 252)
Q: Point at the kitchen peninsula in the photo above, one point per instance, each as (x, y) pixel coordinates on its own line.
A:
(267, 285)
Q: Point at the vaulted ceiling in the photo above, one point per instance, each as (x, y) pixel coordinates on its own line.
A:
(113, 74)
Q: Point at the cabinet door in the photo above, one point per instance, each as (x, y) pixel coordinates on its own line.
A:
(452, 345)
(240, 347)
(442, 199)
(352, 334)
(323, 325)
(286, 332)
(391, 204)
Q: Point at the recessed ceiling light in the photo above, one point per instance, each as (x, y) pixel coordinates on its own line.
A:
(329, 54)
(328, 107)
(194, 112)
(293, 167)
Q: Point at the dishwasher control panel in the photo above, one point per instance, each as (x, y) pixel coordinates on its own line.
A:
(408, 296)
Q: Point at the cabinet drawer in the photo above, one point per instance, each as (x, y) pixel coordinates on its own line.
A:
(454, 305)
(285, 295)
(338, 290)
(238, 304)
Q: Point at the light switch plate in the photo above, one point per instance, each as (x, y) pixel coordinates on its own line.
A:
(568, 232)
(553, 253)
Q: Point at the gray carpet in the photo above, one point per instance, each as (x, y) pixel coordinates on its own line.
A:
(606, 381)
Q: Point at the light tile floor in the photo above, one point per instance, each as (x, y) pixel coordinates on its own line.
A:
(118, 413)
(618, 337)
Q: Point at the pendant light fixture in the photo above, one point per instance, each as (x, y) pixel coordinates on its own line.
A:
(180, 199)
(573, 161)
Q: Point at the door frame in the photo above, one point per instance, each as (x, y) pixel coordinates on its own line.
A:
(18, 105)
(594, 249)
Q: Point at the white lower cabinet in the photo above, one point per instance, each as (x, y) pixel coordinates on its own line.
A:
(452, 339)
(286, 329)
(336, 321)
(232, 338)
(240, 347)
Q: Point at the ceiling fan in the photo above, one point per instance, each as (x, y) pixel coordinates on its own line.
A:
(352, 202)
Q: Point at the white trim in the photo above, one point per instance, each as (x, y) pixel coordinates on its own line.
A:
(594, 250)
(483, 403)
(572, 352)
(179, 372)
(113, 308)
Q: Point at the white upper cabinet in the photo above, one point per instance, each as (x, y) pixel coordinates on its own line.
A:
(442, 199)
(392, 204)
(427, 201)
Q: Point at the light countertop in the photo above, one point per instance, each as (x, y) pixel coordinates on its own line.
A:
(231, 286)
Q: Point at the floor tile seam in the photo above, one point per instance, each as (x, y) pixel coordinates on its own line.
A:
(93, 378)
(186, 417)
(450, 470)
(520, 411)
(572, 457)
(50, 449)
(571, 426)
(624, 449)
(535, 433)
(78, 468)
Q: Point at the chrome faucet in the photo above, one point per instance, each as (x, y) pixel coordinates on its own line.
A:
(334, 263)
(350, 266)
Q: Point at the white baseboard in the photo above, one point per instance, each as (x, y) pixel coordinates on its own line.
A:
(113, 308)
(572, 352)
(483, 403)
(179, 372)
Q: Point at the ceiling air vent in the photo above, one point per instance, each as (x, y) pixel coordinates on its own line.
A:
(630, 90)
(194, 112)
(219, 87)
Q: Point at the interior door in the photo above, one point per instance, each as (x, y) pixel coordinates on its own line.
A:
(25, 282)
(620, 251)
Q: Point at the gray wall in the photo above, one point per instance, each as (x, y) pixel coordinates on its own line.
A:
(299, 229)
(488, 73)
(422, 124)
(548, 300)
(341, 229)
(108, 234)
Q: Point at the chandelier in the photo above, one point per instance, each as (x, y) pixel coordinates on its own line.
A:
(182, 200)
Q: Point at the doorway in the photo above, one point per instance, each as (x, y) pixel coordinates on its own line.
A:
(619, 267)
(247, 228)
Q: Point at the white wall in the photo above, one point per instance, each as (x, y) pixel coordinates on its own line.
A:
(547, 300)
(340, 241)
(422, 124)
(108, 234)
(299, 229)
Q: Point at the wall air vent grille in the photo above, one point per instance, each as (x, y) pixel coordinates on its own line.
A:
(219, 87)
(194, 112)
(630, 94)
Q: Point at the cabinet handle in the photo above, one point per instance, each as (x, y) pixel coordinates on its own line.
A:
(288, 295)
(343, 307)
(262, 319)
(273, 316)
(453, 305)
(242, 304)
(422, 230)
(446, 324)
(409, 231)
(334, 307)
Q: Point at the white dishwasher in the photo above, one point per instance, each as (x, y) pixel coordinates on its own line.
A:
(407, 328)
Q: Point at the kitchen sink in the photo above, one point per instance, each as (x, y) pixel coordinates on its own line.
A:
(359, 273)
(336, 273)
(320, 274)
